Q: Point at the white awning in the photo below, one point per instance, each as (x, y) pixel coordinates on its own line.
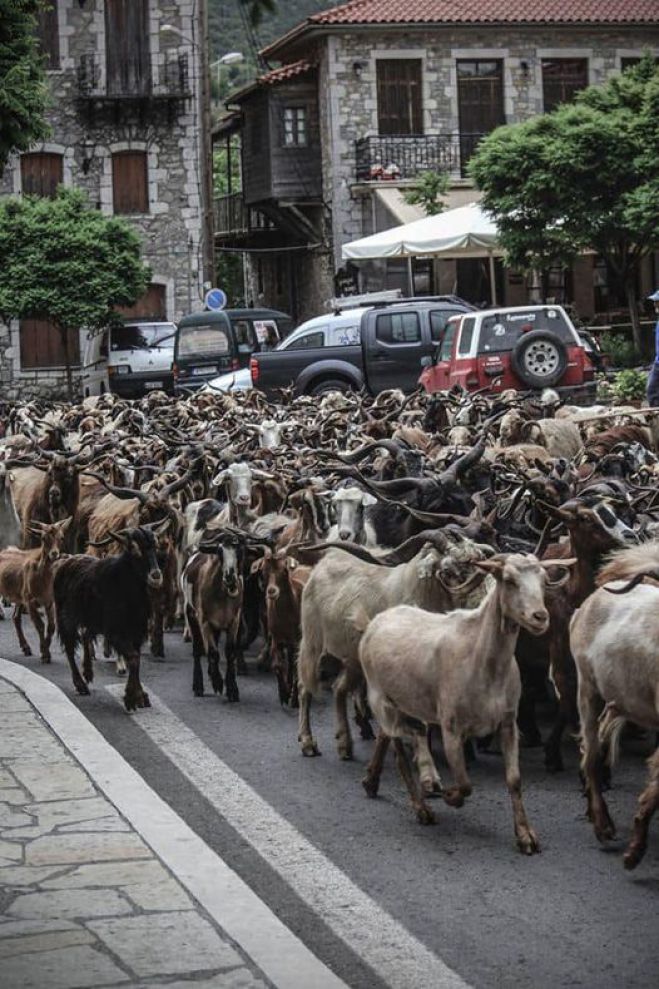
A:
(463, 232)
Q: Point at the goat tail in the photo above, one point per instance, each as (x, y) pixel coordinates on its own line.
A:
(611, 724)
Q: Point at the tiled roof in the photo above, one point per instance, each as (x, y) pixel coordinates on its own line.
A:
(494, 11)
(285, 72)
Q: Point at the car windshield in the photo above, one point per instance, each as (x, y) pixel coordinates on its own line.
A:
(501, 331)
(143, 336)
(209, 339)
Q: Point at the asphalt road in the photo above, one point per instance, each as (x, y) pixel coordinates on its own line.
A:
(369, 890)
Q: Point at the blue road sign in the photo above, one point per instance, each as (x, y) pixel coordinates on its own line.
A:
(215, 299)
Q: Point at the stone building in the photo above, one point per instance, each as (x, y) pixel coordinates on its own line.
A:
(372, 93)
(129, 125)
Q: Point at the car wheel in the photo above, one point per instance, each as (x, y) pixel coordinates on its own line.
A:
(330, 384)
(539, 359)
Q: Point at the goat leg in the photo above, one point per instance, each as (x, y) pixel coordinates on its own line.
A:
(305, 738)
(69, 643)
(22, 641)
(135, 695)
(231, 650)
(50, 626)
(527, 840)
(279, 669)
(37, 621)
(647, 805)
(371, 781)
(214, 674)
(363, 713)
(343, 736)
(198, 650)
(423, 812)
(455, 795)
(293, 700)
(598, 812)
(88, 658)
(431, 784)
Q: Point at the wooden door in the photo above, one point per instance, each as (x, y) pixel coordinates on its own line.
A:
(127, 47)
(152, 305)
(400, 102)
(480, 101)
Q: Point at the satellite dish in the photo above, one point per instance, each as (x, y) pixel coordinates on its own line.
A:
(215, 299)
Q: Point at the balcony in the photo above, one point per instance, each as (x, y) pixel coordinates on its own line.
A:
(131, 81)
(397, 158)
(233, 218)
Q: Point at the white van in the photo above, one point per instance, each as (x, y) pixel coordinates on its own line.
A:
(130, 359)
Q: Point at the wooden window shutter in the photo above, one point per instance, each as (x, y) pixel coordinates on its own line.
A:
(562, 79)
(41, 345)
(400, 102)
(130, 182)
(41, 173)
(152, 305)
(128, 64)
(48, 34)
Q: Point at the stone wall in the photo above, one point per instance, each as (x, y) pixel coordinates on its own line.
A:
(87, 136)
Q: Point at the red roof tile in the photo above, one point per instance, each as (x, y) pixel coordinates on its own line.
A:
(285, 72)
(490, 11)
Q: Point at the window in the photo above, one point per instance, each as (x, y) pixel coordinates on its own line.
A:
(130, 184)
(446, 348)
(502, 331)
(308, 342)
(203, 340)
(296, 130)
(344, 336)
(42, 346)
(142, 336)
(41, 174)
(562, 78)
(466, 336)
(399, 96)
(394, 329)
(480, 102)
(48, 34)
(438, 321)
(628, 63)
(245, 335)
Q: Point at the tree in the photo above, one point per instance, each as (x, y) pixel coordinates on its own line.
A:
(585, 177)
(62, 261)
(23, 90)
(256, 9)
(426, 194)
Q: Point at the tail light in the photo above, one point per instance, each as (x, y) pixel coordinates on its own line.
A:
(254, 370)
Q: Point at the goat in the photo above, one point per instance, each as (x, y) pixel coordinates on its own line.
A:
(45, 492)
(613, 637)
(212, 584)
(26, 580)
(339, 589)
(457, 670)
(284, 580)
(10, 527)
(109, 597)
(351, 525)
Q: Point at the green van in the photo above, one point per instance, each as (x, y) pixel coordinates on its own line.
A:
(211, 343)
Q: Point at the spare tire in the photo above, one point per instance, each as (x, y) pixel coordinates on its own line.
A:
(539, 359)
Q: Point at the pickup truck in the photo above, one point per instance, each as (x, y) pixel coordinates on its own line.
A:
(376, 348)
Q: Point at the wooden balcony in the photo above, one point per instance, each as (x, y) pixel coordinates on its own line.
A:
(233, 218)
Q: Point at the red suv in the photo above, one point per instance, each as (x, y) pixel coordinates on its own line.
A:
(521, 347)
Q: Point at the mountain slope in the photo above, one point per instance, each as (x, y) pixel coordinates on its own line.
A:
(227, 32)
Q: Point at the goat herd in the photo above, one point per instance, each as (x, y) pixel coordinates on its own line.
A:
(439, 559)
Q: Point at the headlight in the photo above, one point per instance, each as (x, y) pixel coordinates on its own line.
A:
(119, 369)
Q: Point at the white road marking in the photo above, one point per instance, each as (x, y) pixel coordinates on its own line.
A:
(398, 958)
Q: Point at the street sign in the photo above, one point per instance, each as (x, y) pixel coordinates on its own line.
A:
(215, 299)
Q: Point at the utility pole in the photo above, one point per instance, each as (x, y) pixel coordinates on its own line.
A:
(205, 145)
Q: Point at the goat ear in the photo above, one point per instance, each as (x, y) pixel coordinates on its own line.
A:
(65, 523)
(257, 565)
(291, 563)
(368, 499)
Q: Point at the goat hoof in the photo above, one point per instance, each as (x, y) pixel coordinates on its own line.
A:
(431, 789)
(453, 797)
(528, 843)
(82, 688)
(605, 832)
(309, 748)
(366, 732)
(26, 651)
(632, 857)
(144, 700)
(233, 696)
(424, 815)
(45, 658)
(121, 672)
(371, 786)
(198, 691)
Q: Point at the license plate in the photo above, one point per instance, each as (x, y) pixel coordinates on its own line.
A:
(153, 384)
(203, 370)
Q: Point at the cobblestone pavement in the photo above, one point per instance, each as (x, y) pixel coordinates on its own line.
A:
(83, 900)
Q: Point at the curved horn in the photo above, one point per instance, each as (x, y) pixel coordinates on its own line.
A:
(120, 492)
(407, 550)
(467, 460)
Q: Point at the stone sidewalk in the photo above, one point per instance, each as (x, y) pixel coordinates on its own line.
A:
(83, 900)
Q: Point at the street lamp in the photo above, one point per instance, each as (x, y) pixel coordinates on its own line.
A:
(231, 58)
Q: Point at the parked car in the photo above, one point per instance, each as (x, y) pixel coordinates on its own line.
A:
(520, 347)
(374, 347)
(129, 359)
(208, 343)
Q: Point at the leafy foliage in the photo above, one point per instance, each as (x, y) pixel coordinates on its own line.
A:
(430, 187)
(629, 386)
(227, 29)
(23, 91)
(620, 349)
(63, 261)
(583, 177)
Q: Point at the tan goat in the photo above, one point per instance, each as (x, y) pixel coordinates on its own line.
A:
(458, 671)
(26, 580)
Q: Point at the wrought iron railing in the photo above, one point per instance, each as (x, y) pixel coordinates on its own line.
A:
(134, 78)
(386, 157)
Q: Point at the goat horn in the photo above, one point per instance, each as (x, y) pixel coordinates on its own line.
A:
(467, 460)
(120, 492)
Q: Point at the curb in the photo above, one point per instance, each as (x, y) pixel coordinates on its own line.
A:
(245, 918)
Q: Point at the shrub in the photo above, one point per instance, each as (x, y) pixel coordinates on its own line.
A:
(620, 349)
(629, 386)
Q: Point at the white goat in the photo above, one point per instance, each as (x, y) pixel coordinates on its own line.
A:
(350, 503)
(613, 638)
(458, 671)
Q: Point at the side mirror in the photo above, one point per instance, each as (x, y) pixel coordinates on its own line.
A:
(426, 361)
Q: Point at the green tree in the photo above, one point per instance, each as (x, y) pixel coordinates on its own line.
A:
(23, 90)
(257, 9)
(63, 261)
(583, 177)
(427, 192)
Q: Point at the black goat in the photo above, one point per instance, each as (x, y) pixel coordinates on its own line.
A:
(109, 597)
